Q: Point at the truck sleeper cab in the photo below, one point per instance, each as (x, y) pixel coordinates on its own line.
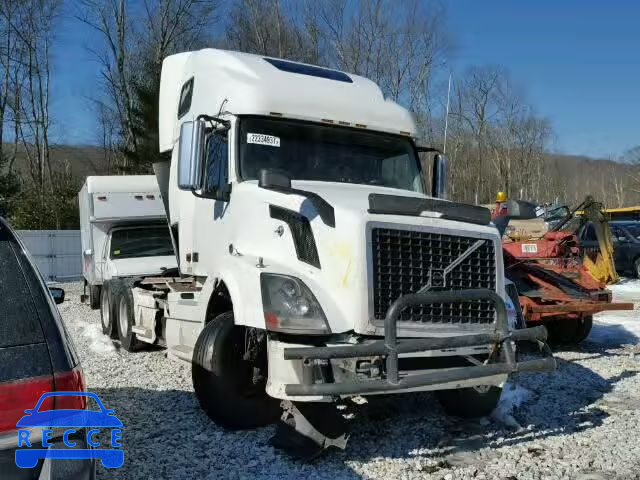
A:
(314, 261)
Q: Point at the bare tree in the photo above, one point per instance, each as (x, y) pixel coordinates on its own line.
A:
(274, 28)
(402, 53)
(174, 25)
(110, 19)
(134, 42)
(28, 32)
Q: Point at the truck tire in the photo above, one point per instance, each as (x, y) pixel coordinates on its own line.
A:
(94, 296)
(585, 324)
(226, 385)
(126, 318)
(569, 331)
(107, 310)
(636, 267)
(469, 402)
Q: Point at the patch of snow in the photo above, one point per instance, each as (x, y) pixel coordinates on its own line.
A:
(98, 342)
(619, 327)
(513, 396)
(626, 285)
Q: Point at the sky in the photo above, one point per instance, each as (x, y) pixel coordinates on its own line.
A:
(578, 62)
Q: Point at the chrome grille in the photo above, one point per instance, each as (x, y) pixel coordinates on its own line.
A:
(404, 261)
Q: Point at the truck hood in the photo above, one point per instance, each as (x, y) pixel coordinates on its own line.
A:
(339, 269)
(350, 196)
(131, 267)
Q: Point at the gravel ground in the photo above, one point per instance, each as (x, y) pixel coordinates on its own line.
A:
(580, 422)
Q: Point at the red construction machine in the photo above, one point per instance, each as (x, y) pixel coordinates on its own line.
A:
(557, 285)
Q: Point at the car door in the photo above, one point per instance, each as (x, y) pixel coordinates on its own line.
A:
(622, 249)
(633, 246)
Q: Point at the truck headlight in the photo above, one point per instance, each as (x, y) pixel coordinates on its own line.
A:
(290, 307)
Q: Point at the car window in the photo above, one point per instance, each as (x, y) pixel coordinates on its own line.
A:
(141, 242)
(19, 323)
(634, 230)
(618, 234)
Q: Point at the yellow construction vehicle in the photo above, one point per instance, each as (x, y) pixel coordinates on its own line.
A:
(598, 262)
(623, 213)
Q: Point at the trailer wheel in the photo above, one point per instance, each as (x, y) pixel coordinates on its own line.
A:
(126, 319)
(228, 380)
(583, 328)
(107, 310)
(569, 331)
(94, 296)
(469, 402)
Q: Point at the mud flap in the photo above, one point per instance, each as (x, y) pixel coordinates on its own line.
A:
(306, 429)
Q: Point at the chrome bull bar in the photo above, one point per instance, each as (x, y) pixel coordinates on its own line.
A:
(391, 347)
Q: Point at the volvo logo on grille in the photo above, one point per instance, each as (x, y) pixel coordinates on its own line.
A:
(437, 278)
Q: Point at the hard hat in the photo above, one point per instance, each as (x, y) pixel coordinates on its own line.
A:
(501, 197)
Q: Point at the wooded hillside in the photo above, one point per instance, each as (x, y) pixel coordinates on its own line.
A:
(494, 136)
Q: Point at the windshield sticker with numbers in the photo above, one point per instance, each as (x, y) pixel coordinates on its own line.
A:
(260, 139)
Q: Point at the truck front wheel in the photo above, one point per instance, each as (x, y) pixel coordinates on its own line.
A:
(469, 402)
(229, 372)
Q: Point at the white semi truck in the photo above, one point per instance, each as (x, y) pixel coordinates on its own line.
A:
(315, 262)
(124, 236)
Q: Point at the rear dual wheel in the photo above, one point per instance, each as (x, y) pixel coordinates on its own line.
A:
(116, 312)
(94, 296)
(126, 320)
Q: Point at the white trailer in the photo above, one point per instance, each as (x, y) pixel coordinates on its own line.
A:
(314, 260)
(123, 232)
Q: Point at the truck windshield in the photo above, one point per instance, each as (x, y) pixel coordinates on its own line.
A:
(141, 242)
(307, 151)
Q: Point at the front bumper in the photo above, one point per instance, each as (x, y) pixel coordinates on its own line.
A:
(391, 347)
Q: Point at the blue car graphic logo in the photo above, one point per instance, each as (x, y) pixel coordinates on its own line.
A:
(69, 419)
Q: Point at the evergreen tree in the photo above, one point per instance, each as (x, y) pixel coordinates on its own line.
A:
(146, 92)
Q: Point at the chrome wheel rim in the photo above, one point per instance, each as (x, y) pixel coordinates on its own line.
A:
(106, 311)
(123, 319)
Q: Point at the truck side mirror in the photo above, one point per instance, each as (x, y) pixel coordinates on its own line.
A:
(190, 155)
(439, 176)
